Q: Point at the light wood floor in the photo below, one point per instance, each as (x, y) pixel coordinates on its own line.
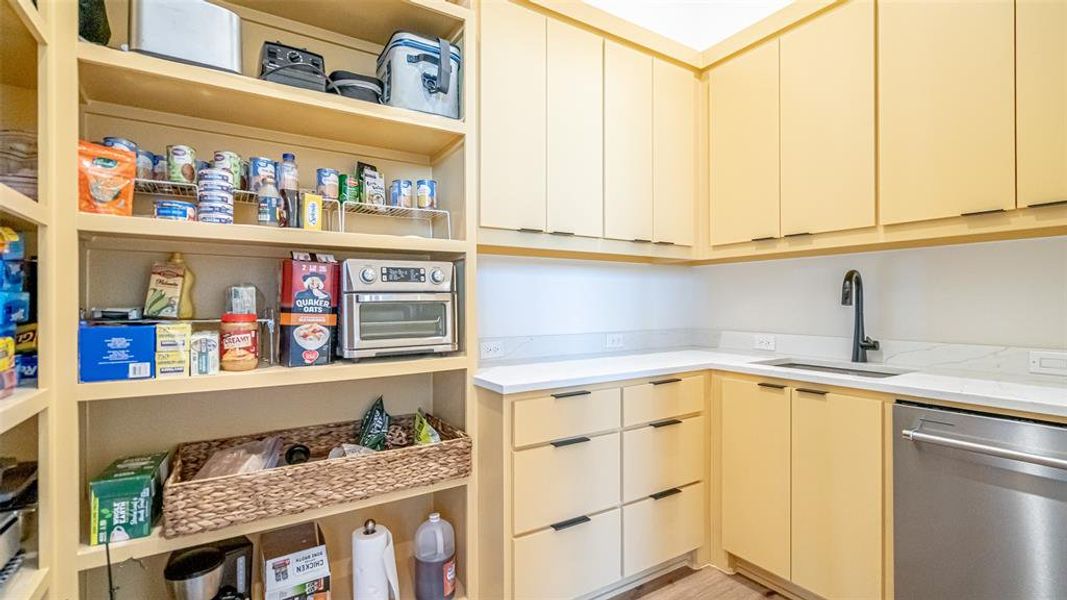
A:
(711, 584)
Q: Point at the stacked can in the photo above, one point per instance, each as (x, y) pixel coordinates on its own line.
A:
(215, 195)
(426, 193)
(401, 193)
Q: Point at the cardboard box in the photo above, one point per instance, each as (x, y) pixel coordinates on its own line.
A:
(172, 364)
(173, 337)
(116, 352)
(295, 564)
(127, 498)
(308, 313)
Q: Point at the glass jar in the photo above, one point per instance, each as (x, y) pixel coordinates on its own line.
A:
(240, 342)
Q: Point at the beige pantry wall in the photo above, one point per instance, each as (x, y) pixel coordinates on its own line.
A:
(1011, 293)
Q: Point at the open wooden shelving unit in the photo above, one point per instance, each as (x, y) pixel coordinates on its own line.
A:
(96, 91)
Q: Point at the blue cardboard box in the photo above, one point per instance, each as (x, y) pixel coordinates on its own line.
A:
(26, 367)
(116, 352)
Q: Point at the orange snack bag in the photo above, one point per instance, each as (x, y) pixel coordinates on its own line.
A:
(105, 179)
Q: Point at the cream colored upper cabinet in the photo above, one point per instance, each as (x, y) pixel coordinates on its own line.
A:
(513, 117)
(837, 495)
(674, 105)
(575, 131)
(755, 473)
(1041, 93)
(827, 104)
(744, 146)
(946, 108)
(627, 143)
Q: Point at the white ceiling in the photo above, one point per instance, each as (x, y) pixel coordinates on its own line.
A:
(698, 24)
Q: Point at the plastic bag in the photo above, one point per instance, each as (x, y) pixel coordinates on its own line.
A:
(346, 450)
(374, 426)
(246, 458)
(105, 179)
(424, 432)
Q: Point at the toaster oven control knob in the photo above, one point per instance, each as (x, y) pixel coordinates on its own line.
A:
(437, 276)
(367, 275)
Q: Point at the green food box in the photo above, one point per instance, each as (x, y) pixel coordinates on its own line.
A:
(127, 498)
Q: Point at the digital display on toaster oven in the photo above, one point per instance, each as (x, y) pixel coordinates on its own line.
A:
(404, 274)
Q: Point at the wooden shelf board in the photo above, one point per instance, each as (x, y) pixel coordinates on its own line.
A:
(29, 583)
(132, 79)
(276, 376)
(91, 557)
(90, 224)
(21, 405)
(20, 209)
(370, 20)
(18, 52)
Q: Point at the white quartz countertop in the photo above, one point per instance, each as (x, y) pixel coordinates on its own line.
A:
(1042, 397)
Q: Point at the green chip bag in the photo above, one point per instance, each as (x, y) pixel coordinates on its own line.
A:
(374, 426)
(424, 432)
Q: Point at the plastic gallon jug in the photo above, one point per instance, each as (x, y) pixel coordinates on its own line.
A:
(435, 559)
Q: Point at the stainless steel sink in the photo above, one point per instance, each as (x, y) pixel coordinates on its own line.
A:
(859, 369)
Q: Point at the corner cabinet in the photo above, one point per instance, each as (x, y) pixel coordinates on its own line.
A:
(802, 481)
(1041, 97)
(513, 117)
(585, 491)
(946, 106)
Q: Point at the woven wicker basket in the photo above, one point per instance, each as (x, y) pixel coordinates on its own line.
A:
(208, 504)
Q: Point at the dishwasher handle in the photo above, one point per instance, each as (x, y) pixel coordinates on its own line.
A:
(996, 451)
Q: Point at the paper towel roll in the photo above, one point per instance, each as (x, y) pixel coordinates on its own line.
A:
(374, 564)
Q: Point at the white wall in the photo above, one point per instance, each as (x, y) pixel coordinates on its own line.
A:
(1002, 293)
(530, 296)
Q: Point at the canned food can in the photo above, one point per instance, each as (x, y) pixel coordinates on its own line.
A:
(214, 176)
(221, 218)
(427, 193)
(144, 164)
(220, 187)
(120, 142)
(216, 198)
(259, 168)
(326, 181)
(400, 193)
(243, 183)
(159, 167)
(345, 193)
(175, 210)
(181, 164)
(230, 161)
(214, 208)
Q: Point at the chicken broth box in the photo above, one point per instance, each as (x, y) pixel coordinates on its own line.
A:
(308, 309)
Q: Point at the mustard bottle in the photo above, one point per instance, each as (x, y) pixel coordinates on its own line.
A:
(186, 310)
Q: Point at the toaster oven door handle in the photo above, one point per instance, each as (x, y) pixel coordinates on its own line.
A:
(404, 297)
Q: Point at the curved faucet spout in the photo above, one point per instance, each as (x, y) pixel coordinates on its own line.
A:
(852, 295)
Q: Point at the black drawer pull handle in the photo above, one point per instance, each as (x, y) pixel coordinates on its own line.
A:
(773, 386)
(1053, 203)
(982, 212)
(665, 493)
(664, 381)
(571, 394)
(562, 233)
(570, 523)
(665, 423)
(570, 441)
(802, 233)
(662, 243)
(531, 230)
(642, 241)
(811, 391)
(764, 239)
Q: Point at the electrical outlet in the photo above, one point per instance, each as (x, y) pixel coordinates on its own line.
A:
(763, 341)
(491, 349)
(613, 341)
(1049, 363)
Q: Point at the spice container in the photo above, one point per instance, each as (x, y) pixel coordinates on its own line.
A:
(240, 342)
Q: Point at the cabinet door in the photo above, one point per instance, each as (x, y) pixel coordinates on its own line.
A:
(575, 131)
(744, 146)
(837, 495)
(512, 117)
(827, 104)
(946, 75)
(755, 474)
(627, 143)
(674, 105)
(1041, 93)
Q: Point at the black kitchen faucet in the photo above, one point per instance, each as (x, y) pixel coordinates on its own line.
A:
(851, 288)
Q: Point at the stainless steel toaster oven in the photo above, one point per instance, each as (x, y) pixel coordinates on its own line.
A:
(391, 308)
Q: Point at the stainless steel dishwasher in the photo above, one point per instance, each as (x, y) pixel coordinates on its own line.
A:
(979, 506)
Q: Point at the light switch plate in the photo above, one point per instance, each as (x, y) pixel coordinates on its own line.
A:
(613, 341)
(1048, 363)
(763, 341)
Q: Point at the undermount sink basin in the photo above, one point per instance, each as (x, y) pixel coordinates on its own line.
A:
(859, 369)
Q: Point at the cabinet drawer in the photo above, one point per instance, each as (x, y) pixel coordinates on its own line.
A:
(565, 415)
(554, 484)
(662, 398)
(656, 531)
(570, 562)
(663, 455)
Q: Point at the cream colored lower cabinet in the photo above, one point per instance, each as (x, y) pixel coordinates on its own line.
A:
(661, 527)
(662, 398)
(661, 456)
(570, 560)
